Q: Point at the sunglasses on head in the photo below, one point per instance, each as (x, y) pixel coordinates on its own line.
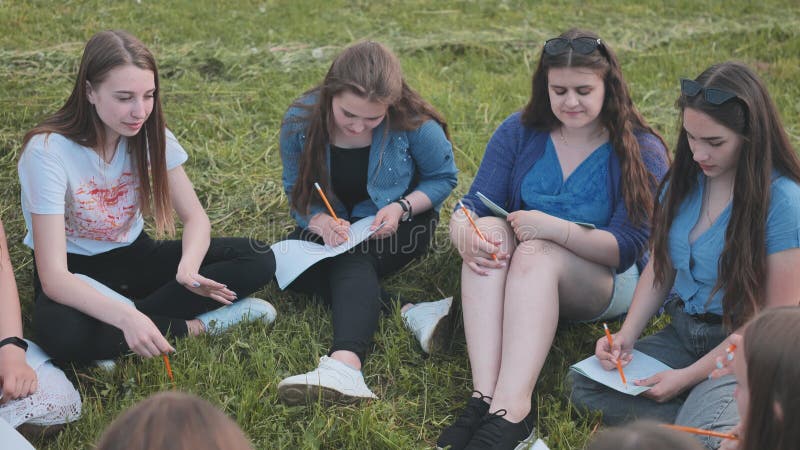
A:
(583, 45)
(691, 88)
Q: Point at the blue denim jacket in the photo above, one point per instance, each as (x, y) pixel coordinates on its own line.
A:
(397, 160)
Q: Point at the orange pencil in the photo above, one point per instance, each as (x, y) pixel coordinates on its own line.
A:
(169, 368)
(611, 344)
(474, 226)
(325, 199)
(701, 431)
(729, 352)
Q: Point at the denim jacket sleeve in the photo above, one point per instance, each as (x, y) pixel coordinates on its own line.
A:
(433, 156)
(632, 239)
(494, 174)
(292, 139)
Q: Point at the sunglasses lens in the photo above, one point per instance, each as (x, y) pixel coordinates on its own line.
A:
(584, 45)
(718, 97)
(556, 46)
(690, 88)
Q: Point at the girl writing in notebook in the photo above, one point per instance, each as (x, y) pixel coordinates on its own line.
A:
(578, 152)
(376, 148)
(89, 174)
(725, 240)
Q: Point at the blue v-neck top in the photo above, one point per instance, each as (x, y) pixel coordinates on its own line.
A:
(582, 197)
(696, 263)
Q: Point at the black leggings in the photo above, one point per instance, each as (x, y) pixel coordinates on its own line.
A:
(144, 271)
(349, 282)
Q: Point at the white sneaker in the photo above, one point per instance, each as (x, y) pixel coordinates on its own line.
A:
(332, 382)
(107, 365)
(429, 323)
(246, 309)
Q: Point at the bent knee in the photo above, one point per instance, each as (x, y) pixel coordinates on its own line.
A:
(539, 253)
(584, 393)
(495, 228)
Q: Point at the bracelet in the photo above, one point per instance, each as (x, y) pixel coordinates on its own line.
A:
(402, 205)
(569, 230)
(410, 210)
(407, 211)
(13, 340)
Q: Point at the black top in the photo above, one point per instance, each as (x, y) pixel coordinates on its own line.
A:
(349, 167)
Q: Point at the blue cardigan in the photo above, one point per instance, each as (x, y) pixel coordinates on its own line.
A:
(514, 149)
(399, 161)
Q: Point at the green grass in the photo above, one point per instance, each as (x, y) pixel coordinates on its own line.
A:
(229, 73)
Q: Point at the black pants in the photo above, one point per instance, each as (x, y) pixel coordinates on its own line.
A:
(145, 273)
(349, 282)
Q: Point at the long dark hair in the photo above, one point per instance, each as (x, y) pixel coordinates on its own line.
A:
(771, 349)
(742, 267)
(618, 115)
(78, 121)
(370, 71)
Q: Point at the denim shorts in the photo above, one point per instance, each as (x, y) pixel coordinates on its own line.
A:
(621, 296)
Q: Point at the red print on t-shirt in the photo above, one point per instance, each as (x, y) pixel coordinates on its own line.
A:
(103, 212)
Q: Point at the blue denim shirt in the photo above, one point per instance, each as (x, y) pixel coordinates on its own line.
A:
(397, 159)
(696, 263)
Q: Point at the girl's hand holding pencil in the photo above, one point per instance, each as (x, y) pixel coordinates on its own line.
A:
(478, 250)
(619, 350)
(333, 231)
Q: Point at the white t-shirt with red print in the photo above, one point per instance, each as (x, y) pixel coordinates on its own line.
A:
(99, 200)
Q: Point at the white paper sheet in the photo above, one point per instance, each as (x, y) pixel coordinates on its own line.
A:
(293, 257)
(641, 366)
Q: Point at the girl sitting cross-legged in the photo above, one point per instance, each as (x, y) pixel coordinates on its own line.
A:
(89, 173)
(375, 147)
(726, 242)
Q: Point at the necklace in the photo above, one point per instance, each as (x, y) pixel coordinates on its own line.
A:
(600, 132)
(707, 200)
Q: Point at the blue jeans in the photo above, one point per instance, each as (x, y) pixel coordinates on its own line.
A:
(709, 405)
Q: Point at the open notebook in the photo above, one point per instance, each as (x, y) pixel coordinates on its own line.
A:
(641, 366)
(293, 257)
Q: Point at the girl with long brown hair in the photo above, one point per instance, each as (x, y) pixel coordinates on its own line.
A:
(89, 173)
(578, 152)
(766, 365)
(726, 241)
(376, 148)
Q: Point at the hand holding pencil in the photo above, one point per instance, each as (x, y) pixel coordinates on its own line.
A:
(611, 345)
(476, 250)
(334, 231)
(613, 351)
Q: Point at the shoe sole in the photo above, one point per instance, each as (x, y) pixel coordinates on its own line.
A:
(441, 334)
(303, 394)
(528, 442)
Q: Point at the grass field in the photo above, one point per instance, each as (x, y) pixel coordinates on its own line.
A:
(228, 74)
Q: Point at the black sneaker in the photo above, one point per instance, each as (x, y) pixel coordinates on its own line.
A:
(497, 433)
(457, 435)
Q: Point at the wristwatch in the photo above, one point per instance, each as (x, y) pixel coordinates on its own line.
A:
(406, 209)
(13, 340)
